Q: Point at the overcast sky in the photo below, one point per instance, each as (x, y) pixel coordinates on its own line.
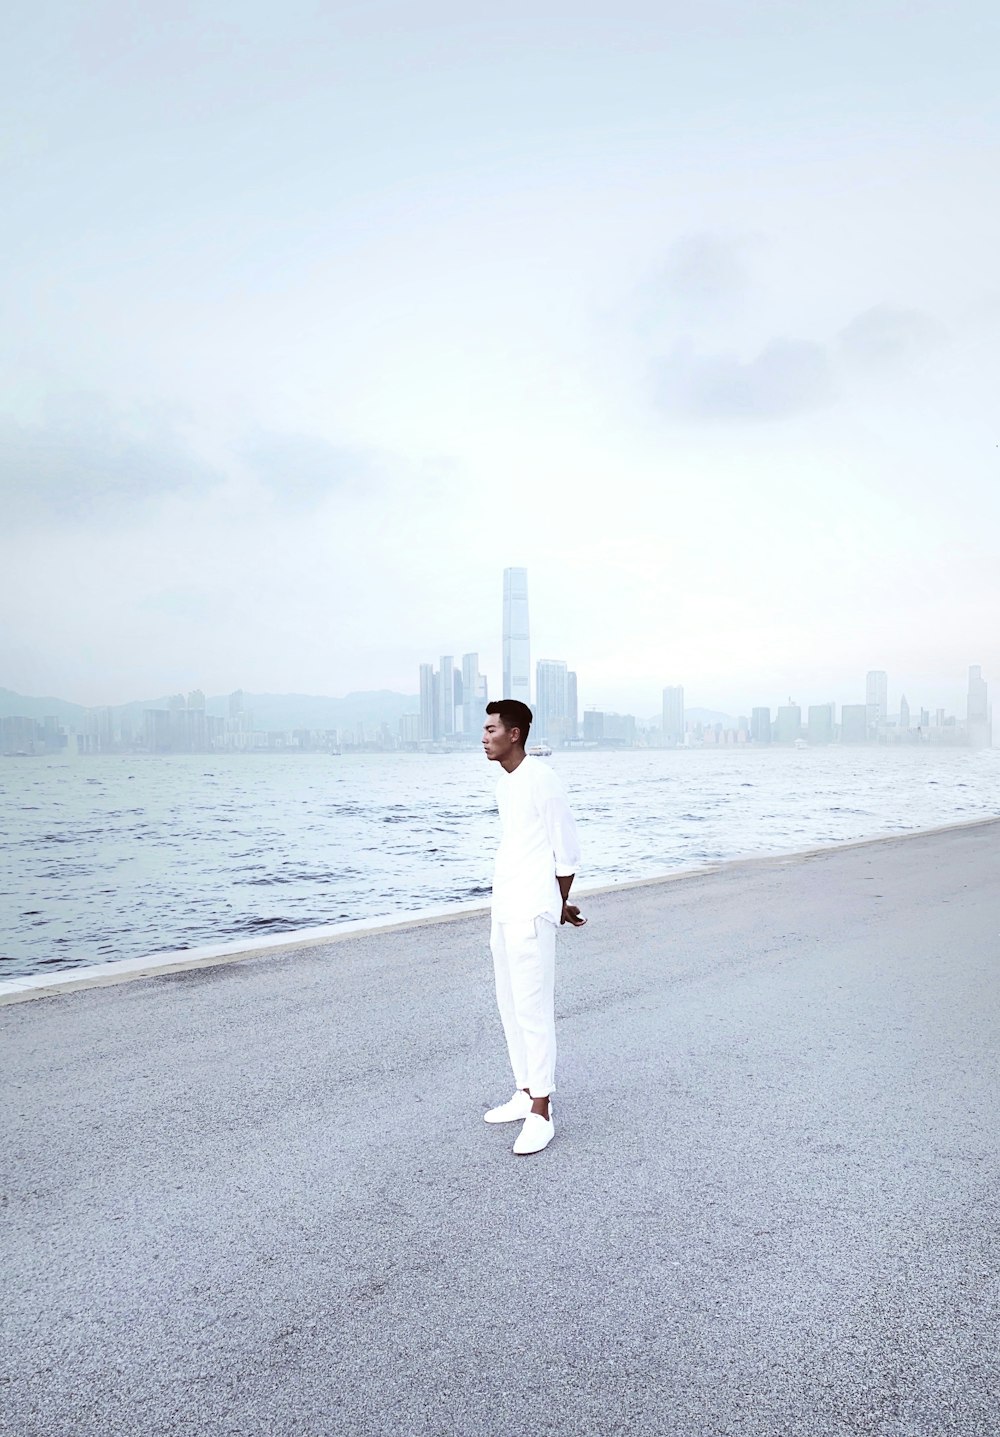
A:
(317, 315)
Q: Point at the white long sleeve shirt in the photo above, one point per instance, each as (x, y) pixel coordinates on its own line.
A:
(538, 843)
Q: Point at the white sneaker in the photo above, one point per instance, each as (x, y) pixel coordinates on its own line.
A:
(518, 1107)
(536, 1134)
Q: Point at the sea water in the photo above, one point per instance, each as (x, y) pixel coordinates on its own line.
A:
(122, 856)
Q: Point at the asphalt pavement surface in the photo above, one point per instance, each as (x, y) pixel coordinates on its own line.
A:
(259, 1198)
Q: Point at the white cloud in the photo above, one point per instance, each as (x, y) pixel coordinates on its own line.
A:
(786, 377)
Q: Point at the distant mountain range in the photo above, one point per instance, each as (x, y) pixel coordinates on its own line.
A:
(271, 712)
(20, 706)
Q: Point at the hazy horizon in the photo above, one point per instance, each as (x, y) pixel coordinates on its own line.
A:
(318, 319)
(645, 710)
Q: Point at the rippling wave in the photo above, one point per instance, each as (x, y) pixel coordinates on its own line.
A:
(119, 857)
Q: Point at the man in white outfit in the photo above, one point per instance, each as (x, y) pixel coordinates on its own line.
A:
(535, 865)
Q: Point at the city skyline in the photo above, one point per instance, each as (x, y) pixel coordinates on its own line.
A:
(445, 710)
(185, 724)
(651, 712)
(451, 701)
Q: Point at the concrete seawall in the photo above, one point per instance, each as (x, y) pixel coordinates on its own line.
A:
(258, 1198)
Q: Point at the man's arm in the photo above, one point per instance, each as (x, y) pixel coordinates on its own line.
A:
(561, 829)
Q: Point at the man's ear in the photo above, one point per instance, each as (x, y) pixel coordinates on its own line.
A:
(515, 734)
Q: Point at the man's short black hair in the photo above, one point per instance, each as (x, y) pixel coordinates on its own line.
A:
(512, 713)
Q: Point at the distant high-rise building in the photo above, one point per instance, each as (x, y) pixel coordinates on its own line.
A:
(760, 725)
(853, 723)
(409, 728)
(904, 716)
(673, 715)
(99, 730)
(788, 724)
(156, 730)
(551, 700)
(474, 698)
(19, 734)
(446, 696)
(593, 725)
(516, 636)
(428, 704)
(240, 721)
(197, 726)
(978, 697)
(470, 676)
(821, 721)
(978, 718)
(876, 700)
(572, 710)
(619, 729)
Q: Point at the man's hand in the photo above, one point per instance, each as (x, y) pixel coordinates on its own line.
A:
(570, 912)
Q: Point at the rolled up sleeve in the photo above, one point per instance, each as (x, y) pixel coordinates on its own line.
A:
(561, 829)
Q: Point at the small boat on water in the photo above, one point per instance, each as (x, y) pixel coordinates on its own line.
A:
(539, 750)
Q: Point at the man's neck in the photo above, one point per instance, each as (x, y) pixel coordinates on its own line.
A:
(513, 759)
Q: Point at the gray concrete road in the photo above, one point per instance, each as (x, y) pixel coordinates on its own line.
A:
(259, 1198)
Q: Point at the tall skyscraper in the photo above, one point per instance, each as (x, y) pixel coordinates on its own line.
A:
(409, 728)
(876, 700)
(787, 723)
(673, 715)
(551, 700)
(977, 715)
(572, 709)
(904, 716)
(446, 696)
(853, 723)
(760, 725)
(516, 641)
(593, 725)
(976, 711)
(428, 704)
(821, 723)
(474, 693)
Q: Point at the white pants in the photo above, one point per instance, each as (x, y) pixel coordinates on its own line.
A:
(524, 966)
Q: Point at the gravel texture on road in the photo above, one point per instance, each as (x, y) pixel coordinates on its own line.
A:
(259, 1198)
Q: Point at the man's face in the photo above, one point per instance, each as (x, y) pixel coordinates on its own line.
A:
(497, 740)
